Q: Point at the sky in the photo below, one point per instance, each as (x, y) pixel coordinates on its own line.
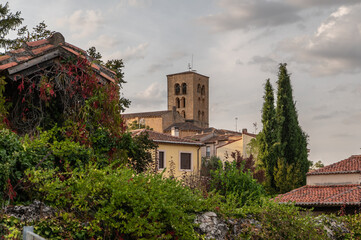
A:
(238, 44)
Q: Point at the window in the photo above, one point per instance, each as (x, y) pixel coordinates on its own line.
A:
(199, 88)
(185, 161)
(177, 102)
(203, 91)
(184, 102)
(208, 151)
(161, 160)
(184, 88)
(176, 89)
(183, 114)
(199, 115)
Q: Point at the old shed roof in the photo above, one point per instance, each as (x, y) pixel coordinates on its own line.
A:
(33, 53)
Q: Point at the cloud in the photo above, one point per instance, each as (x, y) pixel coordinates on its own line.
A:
(134, 3)
(105, 41)
(131, 53)
(266, 64)
(334, 48)
(158, 66)
(82, 23)
(152, 97)
(249, 14)
(319, 3)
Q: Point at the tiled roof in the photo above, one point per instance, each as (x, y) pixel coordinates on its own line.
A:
(349, 165)
(188, 72)
(335, 195)
(165, 138)
(33, 53)
(184, 126)
(145, 114)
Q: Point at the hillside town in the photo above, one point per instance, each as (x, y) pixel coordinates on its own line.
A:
(76, 164)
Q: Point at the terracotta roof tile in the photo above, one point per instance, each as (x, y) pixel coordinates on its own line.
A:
(8, 65)
(37, 43)
(2, 58)
(23, 58)
(20, 50)
(349, 165)
(107, 77)
(37, 51)
(323, 195)
(145, 114)
(165, 138)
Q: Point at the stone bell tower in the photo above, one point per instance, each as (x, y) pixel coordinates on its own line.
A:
(189, 93)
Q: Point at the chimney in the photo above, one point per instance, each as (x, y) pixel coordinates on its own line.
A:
(175, 131)
(244, 130)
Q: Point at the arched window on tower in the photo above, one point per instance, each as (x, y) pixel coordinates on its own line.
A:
(203, 91)
(199, 115)
(203, 116)
(184, 102)
(199, 88)
(177, 101)
(184, 88)
(176, 89)
(183, 114)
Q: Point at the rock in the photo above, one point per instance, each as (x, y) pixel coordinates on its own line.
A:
(212, 226)
(33, 212)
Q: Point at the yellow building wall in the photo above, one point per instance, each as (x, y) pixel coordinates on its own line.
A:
(172, 158)
(156, 123)
(227, 149)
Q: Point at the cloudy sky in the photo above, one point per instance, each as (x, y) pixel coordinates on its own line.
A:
(238, 44)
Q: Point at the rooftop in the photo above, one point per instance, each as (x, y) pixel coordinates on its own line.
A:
(349, 165)
(33, 53)
(184, 126)
(145, 114)
(335, 195)
(165, 138)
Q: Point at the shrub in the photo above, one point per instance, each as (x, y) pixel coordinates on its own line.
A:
(116, 201)
(233, 182)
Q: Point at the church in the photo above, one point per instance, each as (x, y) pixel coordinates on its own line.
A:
(187, 117)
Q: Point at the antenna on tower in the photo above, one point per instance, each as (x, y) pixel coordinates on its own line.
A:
(190, 65)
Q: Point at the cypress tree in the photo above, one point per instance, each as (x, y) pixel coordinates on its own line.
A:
(268, 138)
(8, 21)
(292, 162)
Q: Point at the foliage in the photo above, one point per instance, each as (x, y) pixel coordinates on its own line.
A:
(232, 182)
(4, 105)
(8, 21)
(135, 125)
(353, 223)
(248, 165)
(267, 138)
(292, 141)
(210, 164)
(114, 202)
(39, 32)
(281, 221)
(316, 165)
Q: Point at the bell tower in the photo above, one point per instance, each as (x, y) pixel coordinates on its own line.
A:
(189, 93)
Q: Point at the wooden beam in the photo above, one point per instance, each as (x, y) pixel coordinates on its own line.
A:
(33, 62)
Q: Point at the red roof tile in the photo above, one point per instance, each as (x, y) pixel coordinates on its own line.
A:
(165, 138)
(8, 65)
(349, 165)
(37, 51)
(37, 43)
(23, 58)
(20, 50)
(323, 195)
(2, 58)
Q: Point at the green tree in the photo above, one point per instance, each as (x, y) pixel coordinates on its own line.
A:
(292, 141)
(8, 21)
(267, 138)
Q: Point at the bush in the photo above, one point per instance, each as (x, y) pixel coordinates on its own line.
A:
(231, 181)
(112, 202)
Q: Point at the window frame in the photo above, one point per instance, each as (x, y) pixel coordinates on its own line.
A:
(164, 159)
(191, 162)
